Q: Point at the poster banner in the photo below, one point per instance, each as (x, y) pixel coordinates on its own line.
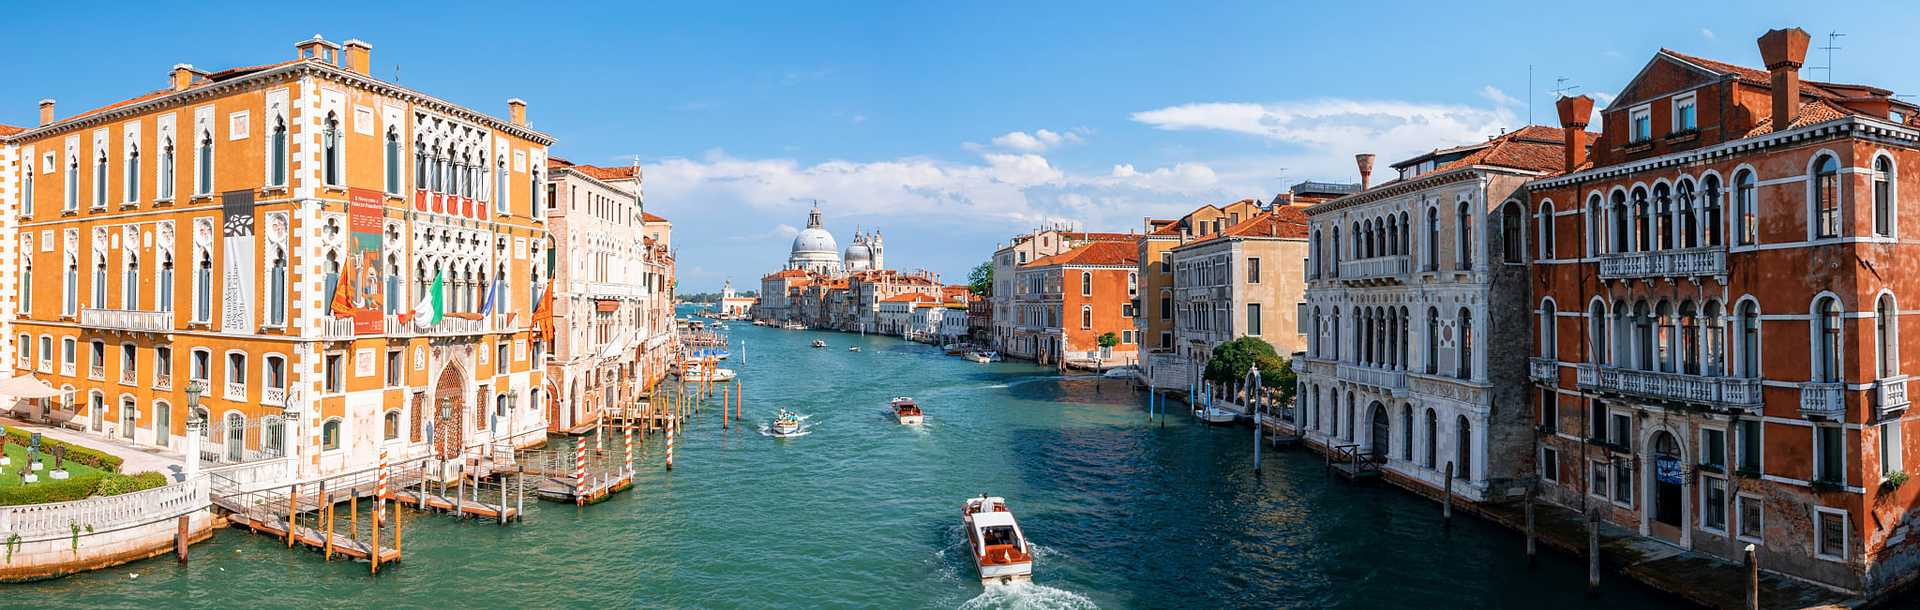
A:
(237, 278)
(1667, 469)
(365, 218)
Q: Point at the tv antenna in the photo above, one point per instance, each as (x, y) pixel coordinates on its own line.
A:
(1832, 37)
(1561, 88)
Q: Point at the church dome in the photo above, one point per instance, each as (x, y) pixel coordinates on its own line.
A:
(814, 241)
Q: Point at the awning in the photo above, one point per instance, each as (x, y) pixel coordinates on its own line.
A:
(27, 386)
(606, 305)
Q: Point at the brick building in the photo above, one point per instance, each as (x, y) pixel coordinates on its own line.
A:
(1063, 303)
(1007, 261)
(1719, 316)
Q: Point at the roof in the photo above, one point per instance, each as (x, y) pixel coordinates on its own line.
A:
(1108, 253)
(1534, 148)
(7, 130)
(1822, 101)
(1756, 76)
(1281, 221)
(651, 217)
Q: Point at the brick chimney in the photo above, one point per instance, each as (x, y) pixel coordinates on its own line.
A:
(1574, 112)
(46, 112)
(1784, 51)
(181, 77)
(517, 111)
(359, 56)
(1365, 160)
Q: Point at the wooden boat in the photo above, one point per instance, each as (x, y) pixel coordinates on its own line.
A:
(957, 349)
(907, 411)
(785, 424)
(1000, 550)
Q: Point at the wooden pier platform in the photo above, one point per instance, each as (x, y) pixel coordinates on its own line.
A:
(469, 507)
(316, 539)
(562, 489)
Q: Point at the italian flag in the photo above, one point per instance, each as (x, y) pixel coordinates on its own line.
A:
(433, 307)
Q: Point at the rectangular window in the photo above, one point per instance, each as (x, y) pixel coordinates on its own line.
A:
(1713, 504)
(1253, 271)
(1713, 448)
(393, 368)
(1623, 482)
(500, 356)
(1748, 510)
(1620, 432)
(1549, 411)
(1640, 124)
(1549, 464)
(163, 367)
(1829, 454)
(1253, 319)
(202, 363)
(1891, 460)
(1683, 114)
(1830, 534)
(1747, 443)
(1598, 473)
(1596, 420)
(333, 373)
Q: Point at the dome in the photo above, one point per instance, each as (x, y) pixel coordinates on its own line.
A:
(857, 252)
(814, 241)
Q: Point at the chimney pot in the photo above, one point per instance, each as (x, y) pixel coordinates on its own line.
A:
(181, 77)
(1785, 51)
(359, 56)
(1574, 113)
(517, 111)
(1365, 161)
(46, 112)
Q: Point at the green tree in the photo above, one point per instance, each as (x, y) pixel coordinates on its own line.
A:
(980, 280)
(1109, 340)
(1232, 359)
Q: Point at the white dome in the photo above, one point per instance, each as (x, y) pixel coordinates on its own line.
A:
(858, 252)
(814, 241)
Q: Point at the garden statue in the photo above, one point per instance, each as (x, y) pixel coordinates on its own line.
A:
(33, 452)
(33, 463)
(59, 462)
(4, 460)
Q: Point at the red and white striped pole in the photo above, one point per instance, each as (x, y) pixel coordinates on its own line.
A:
(627, 432)
(580, 471)
(672, 422)
(380, 488)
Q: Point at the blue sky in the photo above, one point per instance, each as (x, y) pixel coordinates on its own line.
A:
(950, 126)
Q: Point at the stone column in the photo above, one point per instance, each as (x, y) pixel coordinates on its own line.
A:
(194, 426)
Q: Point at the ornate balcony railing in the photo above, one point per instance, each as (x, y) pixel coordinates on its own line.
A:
(337, 329)
(1890, 394)
(127, 376)
(162, 381)
(1664, 263)
(127, 320)
(1378, 267)
(273, 396)
(1823, 400)
(1543, 369)
(1715, 392)
(236, 391)
(1391, 379)
(97, 371)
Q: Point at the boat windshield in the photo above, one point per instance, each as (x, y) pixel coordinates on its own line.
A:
(998, 535)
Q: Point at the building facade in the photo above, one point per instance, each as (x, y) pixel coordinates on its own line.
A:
(1720, 360)
(1065, 302)
(1416, 303)
(263, 240)
(1238, 282)
(1007, 261)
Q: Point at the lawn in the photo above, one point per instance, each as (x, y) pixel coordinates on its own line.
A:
(10, 474)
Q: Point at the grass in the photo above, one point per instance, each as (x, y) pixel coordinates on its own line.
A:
(10, 474)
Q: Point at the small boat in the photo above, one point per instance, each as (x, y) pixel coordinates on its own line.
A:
(785, 424)
(1000, 550)
(1122, 372)
(719, 375)
(1215, 416)
(794, 326)
(854, 348)
(957, 349)
(819, 343)
(907, 411)
(983, 357)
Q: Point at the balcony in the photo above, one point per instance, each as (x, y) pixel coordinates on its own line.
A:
(127, 376)
(274, 397)
(127, 320)
(1298, 362)
(1890, 395)
(1374, 269)
(1388, 379)
(162, 381)
(98, 371)
(1730, 393)
(1824, 401)
(1543, 369)
(236, 391)
(450, 326)
(66, 368)
(337, 329)
(1664, 263)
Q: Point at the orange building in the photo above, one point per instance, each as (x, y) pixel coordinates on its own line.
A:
(1719, 316)
(1064, 302)
(266, 237)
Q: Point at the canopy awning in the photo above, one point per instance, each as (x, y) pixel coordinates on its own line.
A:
(27, 386)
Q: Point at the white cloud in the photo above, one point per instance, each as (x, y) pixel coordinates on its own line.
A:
(1038, 141)
(1706, 33)
(1328, 131)
(1498, 97)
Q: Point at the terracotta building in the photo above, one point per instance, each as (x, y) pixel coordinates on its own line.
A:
(1007, 261)
(1063, 303)
(268, 235)
(1240, 281)
(1719, 316)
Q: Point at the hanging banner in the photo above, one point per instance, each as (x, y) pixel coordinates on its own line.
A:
(365, 219)
(1667, 469)
(237, 278)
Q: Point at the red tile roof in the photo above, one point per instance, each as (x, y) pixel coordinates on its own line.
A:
(7, 130)
(651, 217)
(1111, 253)
(202, 81)
(1282, 221)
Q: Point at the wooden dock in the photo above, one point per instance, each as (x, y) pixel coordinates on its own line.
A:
(1278, 434)
(563, 489)
(314, 538)
(1352, 464)
(468, 507)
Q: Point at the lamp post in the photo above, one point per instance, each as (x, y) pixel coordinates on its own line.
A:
(195, 426)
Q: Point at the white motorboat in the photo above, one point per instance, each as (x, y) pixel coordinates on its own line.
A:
(1000, 549)
(819, 343)
(983, 357)
(907, 411)
(854, 348)
(785, 424)
(698, 374)
(1122, 372)
(1215, 416)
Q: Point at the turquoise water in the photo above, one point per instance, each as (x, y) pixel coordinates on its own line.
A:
(864, 513)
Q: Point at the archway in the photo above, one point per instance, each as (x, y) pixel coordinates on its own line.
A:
(1667, 519)
(450, 412)
(1381, 432)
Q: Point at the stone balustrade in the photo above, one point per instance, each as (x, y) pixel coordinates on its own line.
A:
(1692, 262)
(127, 320)
(104, 513)
(1390, 379)
(1890, 395)
(1714, 392)
(1543, 369)
(1823, 401)
(1374, 268)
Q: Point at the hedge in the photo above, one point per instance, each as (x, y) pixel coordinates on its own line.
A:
(75, 453)
(79, 488)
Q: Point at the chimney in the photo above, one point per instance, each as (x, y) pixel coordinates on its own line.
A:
(1784, 51)
(317, 48)
(517, 111)
(1574, 112)
(1365, 160)
(359, 56)
(46, 112)
(182, 76)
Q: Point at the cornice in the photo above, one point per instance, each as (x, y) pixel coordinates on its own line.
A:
(1841, 127)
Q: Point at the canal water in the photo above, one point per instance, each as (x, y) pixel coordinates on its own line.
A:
(864, 513)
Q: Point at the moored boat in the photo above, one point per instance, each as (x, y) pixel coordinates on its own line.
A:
(1215, 416)
(983, 357)
(907, 411)
(1000, 550)
(854, 348)
(957, 349)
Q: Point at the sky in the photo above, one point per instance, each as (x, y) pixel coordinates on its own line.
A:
(951, 127)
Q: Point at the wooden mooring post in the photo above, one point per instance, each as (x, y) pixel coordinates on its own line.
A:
(1531, 538)
(1446, 508)
(180, 539)
(326, 512)
(293, 510)
(353, 517)
(1753, 579)
(1593, 554)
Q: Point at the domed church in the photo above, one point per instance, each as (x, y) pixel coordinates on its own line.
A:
(815, 251)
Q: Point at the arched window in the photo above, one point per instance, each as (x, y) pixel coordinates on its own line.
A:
(26, 289)
(1886, 333)
(166, 169)
(1463, 237)
(100, 179)
(133, 173)
(1642, 221)
(164, 283)
(330, 435)
(72, 197)
(1663, 344)
(1313, 254)
(1511, 250)
(1334, 329)
(1463, 449)
(1710, 202)
(1643, 337)
(1663, 223)
(1594, 222)
(1689, 319)
(1597, 333)
(1689, 224)
(1433, 340)
(130, 282)
(1406, 234)
(70, 303)
(203, 184)
(277, 153)
(276, 372)
(203, 288)
(1622, 223)
(277, 289)
(1549, 334)
(1406, 432)
(1746, 209)
(1546, 223)
(1826, 334)
(1883, 196)
(330, 150)
(1713, 340)
(1086, 316)
(1086, 283)
(1464, 369)
(1826, 197)
(391, 425)
(1433, 439)
(1433, 239)
(100, 281)
(1749, 345)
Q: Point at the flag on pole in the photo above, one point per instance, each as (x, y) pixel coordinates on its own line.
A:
(486, 303)
(543, 313)
(432, 307)
(343, 294)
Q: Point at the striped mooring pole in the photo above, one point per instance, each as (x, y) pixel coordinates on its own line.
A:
(380, 485)
(626, 432)
(672, 422)
(580, 471)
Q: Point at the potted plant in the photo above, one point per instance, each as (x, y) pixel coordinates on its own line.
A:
(1893, 480)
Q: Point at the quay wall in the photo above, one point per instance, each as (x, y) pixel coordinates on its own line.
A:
(41, 541)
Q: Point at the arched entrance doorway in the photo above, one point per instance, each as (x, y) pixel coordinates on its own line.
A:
(450, 412)
(1668, 510)
(1381, 429)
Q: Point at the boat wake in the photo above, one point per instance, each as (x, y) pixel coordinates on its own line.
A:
(1026, 595)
